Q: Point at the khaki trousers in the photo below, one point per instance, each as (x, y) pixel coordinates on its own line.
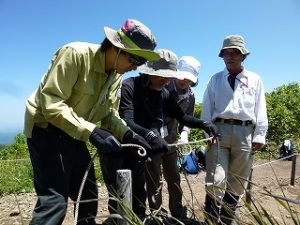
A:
(229, 163)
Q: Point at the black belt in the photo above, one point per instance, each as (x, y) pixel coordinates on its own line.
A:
(234, 121)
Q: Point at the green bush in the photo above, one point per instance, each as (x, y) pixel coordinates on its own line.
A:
(16, 173)
(283, 113)
(18, 150)
(16, 176)
(15, 168)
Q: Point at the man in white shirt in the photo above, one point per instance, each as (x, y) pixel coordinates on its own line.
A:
(235, 101)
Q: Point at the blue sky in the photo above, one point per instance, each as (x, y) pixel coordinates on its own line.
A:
(32, 30)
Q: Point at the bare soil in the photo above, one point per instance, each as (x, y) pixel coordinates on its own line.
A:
(274, 177)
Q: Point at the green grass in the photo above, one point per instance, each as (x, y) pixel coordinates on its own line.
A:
(16, 176)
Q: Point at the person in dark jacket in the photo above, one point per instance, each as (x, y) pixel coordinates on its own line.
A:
(181, 91)
(145, 102)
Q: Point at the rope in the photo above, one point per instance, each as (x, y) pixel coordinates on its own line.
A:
(81, 188)
(185, 173)
(141, 152)
(178, 144)
(191, 142)
(267, 163)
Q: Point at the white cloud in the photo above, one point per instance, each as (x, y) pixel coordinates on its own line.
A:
(12, 113)
(10, 89)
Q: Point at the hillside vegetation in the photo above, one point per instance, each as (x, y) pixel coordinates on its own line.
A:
(283, 113)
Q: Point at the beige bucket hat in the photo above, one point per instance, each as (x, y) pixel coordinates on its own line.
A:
(164, 67)
(234, 41)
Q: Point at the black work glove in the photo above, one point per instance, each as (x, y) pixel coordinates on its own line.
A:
(104, 141)
(210, 129)
(191, 121)
(131, 137)
(157, 143)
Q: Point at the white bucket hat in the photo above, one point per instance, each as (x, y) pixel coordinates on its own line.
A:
(135, 38)
(234, 41)
(163, 67)
(188, 67)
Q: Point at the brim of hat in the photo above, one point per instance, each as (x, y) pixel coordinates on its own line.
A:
(115, 39)
(160, 73)
(242, 50)
(188, 76)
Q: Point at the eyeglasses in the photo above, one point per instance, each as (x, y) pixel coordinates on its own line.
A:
(234, 53)
(136, 62)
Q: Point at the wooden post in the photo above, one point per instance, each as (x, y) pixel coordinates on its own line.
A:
(249, 186)
(268, 149)
(294, 159)
(124, 192)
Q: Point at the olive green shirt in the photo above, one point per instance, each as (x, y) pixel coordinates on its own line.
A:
(76, 94)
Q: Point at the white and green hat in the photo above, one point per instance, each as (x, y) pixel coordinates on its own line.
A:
(135, 38)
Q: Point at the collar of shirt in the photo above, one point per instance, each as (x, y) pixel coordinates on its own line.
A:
(241, 77)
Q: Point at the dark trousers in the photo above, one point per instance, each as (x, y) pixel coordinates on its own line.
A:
(211, 210)
(110, 163)
(166, 164)
(228, 208)
(225, 211)
(59, 163)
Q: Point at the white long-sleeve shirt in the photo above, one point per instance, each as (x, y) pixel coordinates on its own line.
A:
(246, 102)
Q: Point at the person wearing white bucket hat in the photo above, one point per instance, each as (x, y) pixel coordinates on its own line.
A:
(188, 69)
(144, 105)
(235, 101)
(77, 101)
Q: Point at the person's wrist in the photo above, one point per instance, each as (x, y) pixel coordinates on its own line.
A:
(127, 135)
(150, 136)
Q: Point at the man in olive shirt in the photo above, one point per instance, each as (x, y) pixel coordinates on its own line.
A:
(80, 90)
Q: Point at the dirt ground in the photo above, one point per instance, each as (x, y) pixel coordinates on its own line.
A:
(274, 177)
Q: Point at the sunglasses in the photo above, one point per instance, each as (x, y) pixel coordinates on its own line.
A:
(136, 62)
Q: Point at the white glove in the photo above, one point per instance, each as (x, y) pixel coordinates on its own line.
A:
(184, 137)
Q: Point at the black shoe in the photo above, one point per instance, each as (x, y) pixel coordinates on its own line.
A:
(86, 222)
(110, 221)
(157, 217)
(185, 221)
(157, 220)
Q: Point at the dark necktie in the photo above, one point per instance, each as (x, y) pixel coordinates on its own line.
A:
(231, 80)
